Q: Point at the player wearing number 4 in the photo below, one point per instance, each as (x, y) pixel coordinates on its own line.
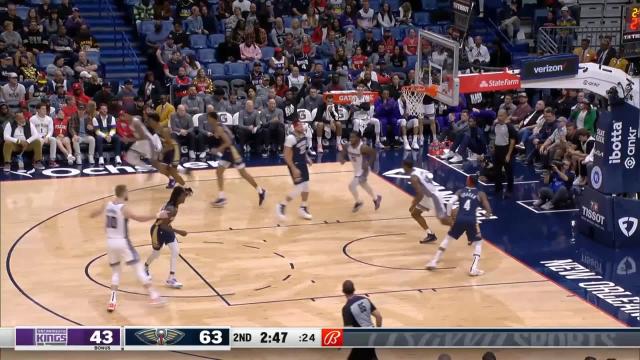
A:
(465, 222)
(119, 248)
(357, 152)
(230, 155)
(162, 233)
(295, 155)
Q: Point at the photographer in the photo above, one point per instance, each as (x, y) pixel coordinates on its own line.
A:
(558, 190)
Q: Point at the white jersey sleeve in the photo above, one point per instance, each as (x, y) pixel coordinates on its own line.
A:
(290, 141)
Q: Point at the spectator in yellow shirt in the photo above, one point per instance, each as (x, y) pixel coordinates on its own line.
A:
(165, 109)
(620, 62)
(585, 52)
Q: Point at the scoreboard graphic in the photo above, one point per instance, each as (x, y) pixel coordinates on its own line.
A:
(224, 338)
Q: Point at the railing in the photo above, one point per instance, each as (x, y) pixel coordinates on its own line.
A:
(129, 54)
(563, 39)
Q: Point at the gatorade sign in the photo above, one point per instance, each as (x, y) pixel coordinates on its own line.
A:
(549, 67)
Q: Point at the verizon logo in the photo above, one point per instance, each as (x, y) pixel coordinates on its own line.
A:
(548, 69)
(498, 83)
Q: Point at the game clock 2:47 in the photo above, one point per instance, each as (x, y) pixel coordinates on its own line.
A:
(276, 337)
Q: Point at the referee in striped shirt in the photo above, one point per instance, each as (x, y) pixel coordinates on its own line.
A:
(357, 312)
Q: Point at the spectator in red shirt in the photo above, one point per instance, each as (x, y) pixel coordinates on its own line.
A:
(357, 62)
(69, 108)
(388, 41)
(410, 43)
(61, 134)
(124, 130)
(24, 108)
(280, 86)
(78, 93)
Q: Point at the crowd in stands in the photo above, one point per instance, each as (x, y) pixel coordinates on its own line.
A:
(291, 54)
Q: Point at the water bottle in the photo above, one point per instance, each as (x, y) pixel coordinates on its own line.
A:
(20, 162)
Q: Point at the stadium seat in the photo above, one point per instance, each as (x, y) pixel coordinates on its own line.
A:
(398, 33)
(45, 59)
(411, 61)
(358, 34)
(145, 27)
(429, 5)
(186, 52)
(394, 4)
(216, 69)
(421, 18)
(267, 53)
(198, 41)
(94, 56)
(287, 21)
(207, 56)
(215, 40)
(225, 118)
(377, 35)
(238, 84)
(237, 69)
(375, 5)
(222, 84)
(22, 11)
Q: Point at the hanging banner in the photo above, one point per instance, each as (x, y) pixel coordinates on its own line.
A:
(488, 82)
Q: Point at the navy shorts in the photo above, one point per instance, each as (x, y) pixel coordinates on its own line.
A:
(161, 237)
(304, 173)
(231, 156)
(460, 227)
(172, 157)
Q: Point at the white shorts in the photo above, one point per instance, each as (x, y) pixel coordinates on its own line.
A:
(143, 148)
(120, 250)
(432, 200)
(429, 109)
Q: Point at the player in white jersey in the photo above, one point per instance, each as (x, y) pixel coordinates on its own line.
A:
(119, 248)
(363, 120)
(408, 121)
(144, 146)
(426, 197)
(357, 151)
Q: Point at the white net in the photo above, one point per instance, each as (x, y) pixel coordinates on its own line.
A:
(413, 100)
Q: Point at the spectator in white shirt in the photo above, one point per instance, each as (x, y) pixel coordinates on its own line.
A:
(366, 18)
(295, 78)
(15, 140)
(244, 5)
(44, 124)
(478, 53)
(385, 17)
(13, 92)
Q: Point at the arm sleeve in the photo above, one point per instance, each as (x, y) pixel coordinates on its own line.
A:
(7, 134)
(34, 133)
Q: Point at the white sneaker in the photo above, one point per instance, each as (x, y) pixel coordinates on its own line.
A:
(472, 157)
(174, 284)
(421, 140)
(431, 265)
(447, 155)
(91, 160)
(319, 148)
(203, 155)
(379, 145)
(100, 160)
(192, 155)
(476, 272)
(118, 160)
(407, 147)
(304, 213)
(339, 146)
(79, 159)
(577, 181)
(71, 159)
(280, 211)
(415, 145)
(456, 159)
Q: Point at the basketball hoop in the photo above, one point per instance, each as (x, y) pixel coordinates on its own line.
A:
(413, 96)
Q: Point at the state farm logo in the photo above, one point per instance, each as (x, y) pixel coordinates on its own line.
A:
(498, 83)
(592, 213)
(332, 337)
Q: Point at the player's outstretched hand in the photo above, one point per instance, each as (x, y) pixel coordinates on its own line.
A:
(181, 232)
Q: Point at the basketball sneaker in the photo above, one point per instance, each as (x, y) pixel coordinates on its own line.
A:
(357, 206)
(456, 159)
(304, 213)
(448, 155)
(476, 272)
(414, 144)
(261, 196)
(174, 284)
(158, 301)
(431, 265)
(280, 211)
(111, 307)
(429, 238)
(220, 202)
(377, 202)
(171, 184)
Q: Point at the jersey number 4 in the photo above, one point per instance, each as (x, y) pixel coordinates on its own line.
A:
(112, 222)
(467, 205)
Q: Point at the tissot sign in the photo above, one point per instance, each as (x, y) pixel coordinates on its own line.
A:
(549, 67)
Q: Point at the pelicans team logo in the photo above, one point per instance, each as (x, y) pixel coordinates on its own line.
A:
(160, 336)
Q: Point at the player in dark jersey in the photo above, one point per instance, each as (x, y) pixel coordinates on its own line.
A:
(357, 312)
(225, 146)
(470, 198)
(168, 158)
(296, 146)
(162, 233)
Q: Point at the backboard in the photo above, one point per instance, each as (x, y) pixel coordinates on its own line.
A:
(438, 66)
